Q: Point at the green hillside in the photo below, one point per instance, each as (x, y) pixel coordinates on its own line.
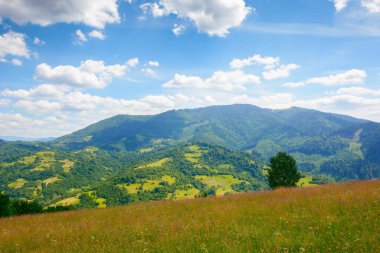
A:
(96, 178)
(323, 143)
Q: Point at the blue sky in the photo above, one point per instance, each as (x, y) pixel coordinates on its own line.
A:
(67, 64)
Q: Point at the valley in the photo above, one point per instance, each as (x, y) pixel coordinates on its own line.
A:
(187, 154)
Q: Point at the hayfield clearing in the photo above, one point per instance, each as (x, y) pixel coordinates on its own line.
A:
(331, 218)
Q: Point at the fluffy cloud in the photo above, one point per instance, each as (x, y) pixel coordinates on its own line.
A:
(133, 62)
(38, 42)
(340, 4)
(149, 72)
(269, 62)
(178, 30)
(41, 92)
(293, 84)
(14, 44)
(359, 91)
(97, 35)
(90, 74)
(154, 63)
(80, 36)
(372, 6)
(4, 102)
(214, 17)
(351, 77)
(16, 62)
(38, 107)
(64, 110)
(227, 81)
(281, 72)
(95, 13)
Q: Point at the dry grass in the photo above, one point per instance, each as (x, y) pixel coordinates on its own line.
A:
(333, 218)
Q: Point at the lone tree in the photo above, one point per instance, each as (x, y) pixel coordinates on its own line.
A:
(283, 171)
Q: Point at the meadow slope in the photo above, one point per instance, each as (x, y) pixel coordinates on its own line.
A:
(331, 218)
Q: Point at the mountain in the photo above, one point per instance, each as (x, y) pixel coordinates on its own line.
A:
(16, 138)
(340, 146)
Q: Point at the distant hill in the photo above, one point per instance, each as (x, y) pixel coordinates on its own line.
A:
(96, 178)
(16, 138)
(340, 146)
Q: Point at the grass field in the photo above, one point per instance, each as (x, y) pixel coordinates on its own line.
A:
(332, 218)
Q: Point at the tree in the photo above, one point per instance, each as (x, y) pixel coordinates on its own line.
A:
(4, 205)
(283, 171)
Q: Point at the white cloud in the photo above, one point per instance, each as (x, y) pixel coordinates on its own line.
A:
(351, 77)
(215, 17)
(4, 102)
(154, 63)
(359, 91)
(155, 9)
(372, 6)
(90, 74)
(97, 35)
(64, 110)
(41, 92)
(281, 72)
(149, 72)
(269, 62)
(178, 30)
(14, 44)
(38, 107)
(293, 84)
(16, 62)
(80, 36)
(228, 81)
(133, 62)
(95, 13)
(38, 42)
(340, 4)
(274, 101)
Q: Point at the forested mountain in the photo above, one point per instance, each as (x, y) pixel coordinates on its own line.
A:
(337, 145)
(187, 153)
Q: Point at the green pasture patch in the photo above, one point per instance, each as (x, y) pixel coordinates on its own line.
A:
(222, 183)
(51, 180)
(306, 182)
(87, 138)
(28, 159)
(185, 194)
(67, 165)
(170, 180)
(132, 188)
(68, 201)
(19, 183)
(156, 164)
(225, 166)
(150, 185)
(145, 150)
(194, 148)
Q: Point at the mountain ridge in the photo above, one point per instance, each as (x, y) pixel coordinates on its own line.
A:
(315, 138)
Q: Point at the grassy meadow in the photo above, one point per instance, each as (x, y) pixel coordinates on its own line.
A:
(331, 218)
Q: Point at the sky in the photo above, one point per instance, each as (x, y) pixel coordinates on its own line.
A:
(66, 64)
